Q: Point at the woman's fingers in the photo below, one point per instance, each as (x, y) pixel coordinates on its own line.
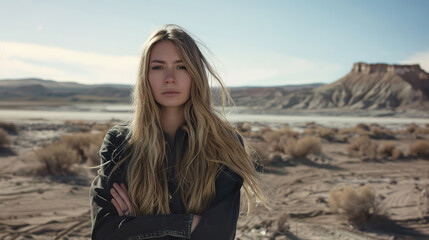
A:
(118, 208)
(121, 199)
(127, 199)
(117, 197)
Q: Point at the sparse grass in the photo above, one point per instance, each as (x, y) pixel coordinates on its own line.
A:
(357, 206)
(11, 128)
(57, 158)
(4, 139)
(303, 147)
(419, 148)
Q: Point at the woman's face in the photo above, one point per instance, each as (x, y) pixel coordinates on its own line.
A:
(168, 78)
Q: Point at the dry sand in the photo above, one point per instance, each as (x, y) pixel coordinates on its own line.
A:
(43, 207)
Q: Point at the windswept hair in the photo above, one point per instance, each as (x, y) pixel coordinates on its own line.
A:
(212, 141)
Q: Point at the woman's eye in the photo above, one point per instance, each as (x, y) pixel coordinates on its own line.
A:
(156, 67)
(181, 67)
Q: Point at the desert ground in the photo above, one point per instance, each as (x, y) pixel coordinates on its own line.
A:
(311, 174)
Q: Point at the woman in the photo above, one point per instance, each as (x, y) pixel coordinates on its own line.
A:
(176, 171)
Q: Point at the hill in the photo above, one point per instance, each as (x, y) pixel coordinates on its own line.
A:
(366, 86)
(33, 89)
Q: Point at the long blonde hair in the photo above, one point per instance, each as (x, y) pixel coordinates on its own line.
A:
(212, 141)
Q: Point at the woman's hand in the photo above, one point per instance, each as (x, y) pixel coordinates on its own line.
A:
(121, 200)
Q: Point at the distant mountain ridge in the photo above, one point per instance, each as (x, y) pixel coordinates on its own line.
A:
(40, 89)
(35, 89)
(367, 86)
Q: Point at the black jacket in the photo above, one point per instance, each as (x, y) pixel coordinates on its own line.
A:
(218, 222)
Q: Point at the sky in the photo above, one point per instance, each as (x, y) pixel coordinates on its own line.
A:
(250, 43)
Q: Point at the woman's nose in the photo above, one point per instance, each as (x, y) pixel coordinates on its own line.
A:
(170, 78)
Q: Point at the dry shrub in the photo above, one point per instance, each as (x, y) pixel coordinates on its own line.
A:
(381, 132)
(326, 133)
(57, 158)
(342, 138)
(387, 149)
(260, 149)
(356, 143)
(271, 136)
(102, 127)
(79, 125)
(92, 154)
(9, 127)
(419, 148)
(424, 130)
(396, 154)
(276, 136)
(412, 128)
(355, 130)
(365, 146)
(4, 138)
(310, 124)
(302, 147)
(85, 144)
(363, 126)
(277, 139)
(278, 145)
(244, 127)
(282, 225)
(356, 206)
(309, 132)
(264, 130)
(288, 132)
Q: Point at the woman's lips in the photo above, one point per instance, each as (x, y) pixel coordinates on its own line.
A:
(170, 93)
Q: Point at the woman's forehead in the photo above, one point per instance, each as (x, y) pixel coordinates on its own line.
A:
(165, 51)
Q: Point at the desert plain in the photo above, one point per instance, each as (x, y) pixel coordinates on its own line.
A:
(313, 174)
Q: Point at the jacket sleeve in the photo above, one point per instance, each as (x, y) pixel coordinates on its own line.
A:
(220, 219)
(107, 224)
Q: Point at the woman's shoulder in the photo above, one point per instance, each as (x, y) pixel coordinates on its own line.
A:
(119, 131)
(114, 142)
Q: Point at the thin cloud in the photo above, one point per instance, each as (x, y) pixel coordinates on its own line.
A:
(277, 69)
(22, 60)
(421, 58)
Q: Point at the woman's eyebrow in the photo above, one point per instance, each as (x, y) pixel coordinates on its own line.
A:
(163, 62)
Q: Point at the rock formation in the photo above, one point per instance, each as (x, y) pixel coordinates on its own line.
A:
(366, 86)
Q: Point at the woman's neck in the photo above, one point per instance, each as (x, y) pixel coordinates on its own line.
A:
(171, 120)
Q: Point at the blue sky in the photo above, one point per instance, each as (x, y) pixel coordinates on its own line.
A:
(252, 42)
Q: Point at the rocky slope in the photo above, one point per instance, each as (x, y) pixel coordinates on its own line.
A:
(367, 86)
